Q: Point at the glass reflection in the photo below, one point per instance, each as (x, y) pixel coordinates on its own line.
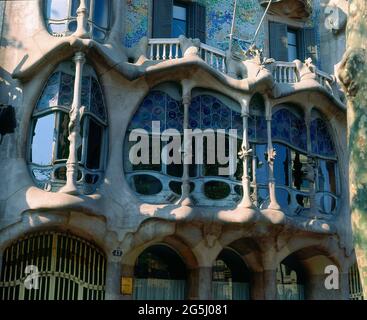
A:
(281, 165)
(42, 142)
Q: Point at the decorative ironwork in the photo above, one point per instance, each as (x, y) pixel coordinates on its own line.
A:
(69, 268)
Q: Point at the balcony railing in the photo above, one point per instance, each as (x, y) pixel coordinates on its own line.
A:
(283, 72)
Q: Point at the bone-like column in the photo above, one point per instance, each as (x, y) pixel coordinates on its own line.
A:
(82, 21)
(311, 166)
(74, 128)
(185, 199)
(271, 157)
(245, 155)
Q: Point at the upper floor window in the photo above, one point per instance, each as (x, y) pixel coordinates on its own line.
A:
(293, 45)
(49, 144)
(61, 16)
(287, 43)
(179, 20)
(174, 18)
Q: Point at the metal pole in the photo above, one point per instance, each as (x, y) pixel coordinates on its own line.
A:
(232, 26)
(261, 22)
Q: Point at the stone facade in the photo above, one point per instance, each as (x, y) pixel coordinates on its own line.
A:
(113, 216)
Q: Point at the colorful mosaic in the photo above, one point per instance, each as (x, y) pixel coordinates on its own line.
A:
(219, 18)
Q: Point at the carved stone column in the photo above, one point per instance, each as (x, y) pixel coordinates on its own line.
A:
(271, 157)
(245, 155)
(82, 21)
(75, 113)
(185, 199)
(310, 172)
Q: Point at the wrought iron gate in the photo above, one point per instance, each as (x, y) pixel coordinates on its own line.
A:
(69, 268)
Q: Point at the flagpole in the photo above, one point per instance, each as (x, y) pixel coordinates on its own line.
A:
(261, 22)
(232, 26)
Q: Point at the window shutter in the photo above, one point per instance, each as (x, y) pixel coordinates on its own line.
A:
(197, 21)
(278, 41)
(309, 45)
(162, 18)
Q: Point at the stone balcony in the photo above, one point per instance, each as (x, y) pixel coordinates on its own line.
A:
(295, 9)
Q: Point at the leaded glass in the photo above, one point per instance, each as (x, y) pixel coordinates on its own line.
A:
(321, 140)
(50, 136)
(289, 128)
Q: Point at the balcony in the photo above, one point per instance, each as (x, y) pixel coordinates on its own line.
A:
(294, 9)
(291, 73)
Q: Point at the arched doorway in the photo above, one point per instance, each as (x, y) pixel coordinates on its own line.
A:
(290, 279)
(230, 277)
(159, 274)
(66, 268)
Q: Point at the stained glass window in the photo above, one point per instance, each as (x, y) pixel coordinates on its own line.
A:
(50, 130)
(287, 127)
(321, 140)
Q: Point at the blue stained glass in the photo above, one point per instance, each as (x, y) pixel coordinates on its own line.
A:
(321, 140)
(251, 128)
(50, 94)
(85, 91)
(289, 128)
(261, 129)
(97, 104)
(237, 122)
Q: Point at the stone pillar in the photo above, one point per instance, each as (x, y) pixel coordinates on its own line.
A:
(74, 129)
(271, 157)
(200, 283)
(128, 272)
(263, 285)
(82, 21)
(315, 288)
(185, 199)
(245, 155)
(113, 278)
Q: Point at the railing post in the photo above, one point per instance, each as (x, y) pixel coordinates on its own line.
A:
(271, 157)
(185, 199)
(245, 154)
(75, 113)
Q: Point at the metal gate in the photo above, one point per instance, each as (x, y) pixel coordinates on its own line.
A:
(355, 286)
(69, 268)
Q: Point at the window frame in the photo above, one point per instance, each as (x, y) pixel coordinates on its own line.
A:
(54, 182)
(70, 18)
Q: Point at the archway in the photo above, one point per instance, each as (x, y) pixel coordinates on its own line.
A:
(159, 274)
(230, 277)
(66, 267)
(290, 279)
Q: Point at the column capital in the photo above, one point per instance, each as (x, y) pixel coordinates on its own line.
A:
(79, 57)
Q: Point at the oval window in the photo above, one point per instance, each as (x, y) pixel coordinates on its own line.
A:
(216, 190)
(146, 184)
(327, 204)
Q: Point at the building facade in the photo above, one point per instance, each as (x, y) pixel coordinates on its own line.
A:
(84, 82)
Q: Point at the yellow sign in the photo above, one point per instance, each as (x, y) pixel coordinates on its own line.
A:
(126, 285)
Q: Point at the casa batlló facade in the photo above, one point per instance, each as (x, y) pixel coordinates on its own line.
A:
(79, 77)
